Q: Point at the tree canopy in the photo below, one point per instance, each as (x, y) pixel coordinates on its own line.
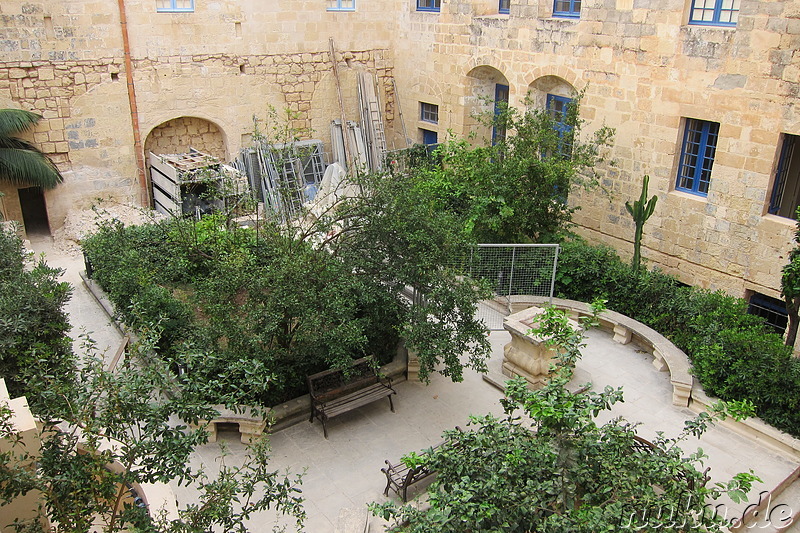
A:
(516, 189)
(548, 465)
(104, 433)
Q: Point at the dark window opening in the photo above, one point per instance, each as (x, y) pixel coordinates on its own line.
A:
(771, 309)
(785, 195)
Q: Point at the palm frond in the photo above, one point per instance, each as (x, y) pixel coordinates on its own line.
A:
(27, 166)
(14, 121)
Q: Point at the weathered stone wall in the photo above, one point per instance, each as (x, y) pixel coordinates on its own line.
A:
(643, 70)
(179, 135)
(226, 63)
(642, 67)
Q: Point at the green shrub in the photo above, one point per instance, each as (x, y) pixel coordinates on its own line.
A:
(733, 354)
(242, 318)
(33, 326)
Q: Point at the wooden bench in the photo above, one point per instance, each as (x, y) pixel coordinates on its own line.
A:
(334, 392)
(399, 477)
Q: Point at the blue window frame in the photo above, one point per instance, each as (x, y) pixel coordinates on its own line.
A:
(341, 5)
(504, 6)
(175, 6)
(567, 8)
(500, 105)
(558, 108)
(429, 113)
(714, 12)
(429, 137)
(697, 156)
(429, 5)
(785, 195)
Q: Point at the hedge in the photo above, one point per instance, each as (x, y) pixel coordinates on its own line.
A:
(734, 355)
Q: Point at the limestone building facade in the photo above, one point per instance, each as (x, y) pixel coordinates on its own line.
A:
(702, 93)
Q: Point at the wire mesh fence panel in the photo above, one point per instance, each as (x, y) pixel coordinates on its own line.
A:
(513, 271)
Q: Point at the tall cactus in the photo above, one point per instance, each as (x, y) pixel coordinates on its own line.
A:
(640, 211)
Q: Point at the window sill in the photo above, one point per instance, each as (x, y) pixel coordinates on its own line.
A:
(492, 16)
(174, 10)
(689, 196)
(337, 10)
(784, 221)
(720, 25)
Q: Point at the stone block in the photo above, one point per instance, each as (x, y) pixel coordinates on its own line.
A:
(622, 334)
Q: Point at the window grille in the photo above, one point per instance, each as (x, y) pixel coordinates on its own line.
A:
(714, 12)
(429, 112)
(771, 309)
(697, 156)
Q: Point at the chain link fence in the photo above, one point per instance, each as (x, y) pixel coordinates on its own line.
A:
(513, 271)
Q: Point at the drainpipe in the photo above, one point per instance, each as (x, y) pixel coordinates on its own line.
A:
(144, 195)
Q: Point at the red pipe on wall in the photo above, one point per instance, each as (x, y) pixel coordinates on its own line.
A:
(144, 195)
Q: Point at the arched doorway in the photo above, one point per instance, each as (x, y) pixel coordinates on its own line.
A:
(487, 90)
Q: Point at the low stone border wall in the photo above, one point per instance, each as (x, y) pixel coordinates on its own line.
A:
(666, 356)
(687, 392)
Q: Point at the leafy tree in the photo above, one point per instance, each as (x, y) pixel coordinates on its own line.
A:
(21, 162)
(267, 307)
(33, 325)
(135, 419)
(517, 189)
(547, 465)
(790, 287)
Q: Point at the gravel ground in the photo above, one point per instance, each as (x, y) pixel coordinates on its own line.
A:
(80, 224)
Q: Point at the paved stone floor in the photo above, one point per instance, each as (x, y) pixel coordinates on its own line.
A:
(343, 472)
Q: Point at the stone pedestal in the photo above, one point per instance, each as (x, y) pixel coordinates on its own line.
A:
(527, 355)
(413, 366)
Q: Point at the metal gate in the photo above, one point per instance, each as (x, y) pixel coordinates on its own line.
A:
(515, 272)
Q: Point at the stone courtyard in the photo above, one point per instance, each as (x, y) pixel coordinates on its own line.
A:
(342, 473)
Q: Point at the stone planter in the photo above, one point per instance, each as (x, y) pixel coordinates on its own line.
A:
(527, 355)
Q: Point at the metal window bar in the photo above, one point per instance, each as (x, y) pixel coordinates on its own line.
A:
(772, 310)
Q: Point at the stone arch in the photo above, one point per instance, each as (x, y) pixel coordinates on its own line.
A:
(540, 87)
(177, 135)
(483, 83)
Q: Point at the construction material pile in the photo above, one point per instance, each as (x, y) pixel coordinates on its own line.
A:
(80, 223)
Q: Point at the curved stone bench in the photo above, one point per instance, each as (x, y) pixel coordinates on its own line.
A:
(666, 356)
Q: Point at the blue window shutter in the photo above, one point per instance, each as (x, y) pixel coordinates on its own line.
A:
(780, 174)
(697, 156)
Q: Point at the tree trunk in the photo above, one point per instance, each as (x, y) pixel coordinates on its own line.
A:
(792, 310)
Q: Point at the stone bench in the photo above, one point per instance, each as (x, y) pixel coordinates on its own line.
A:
(250, 425)
(666, 356)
